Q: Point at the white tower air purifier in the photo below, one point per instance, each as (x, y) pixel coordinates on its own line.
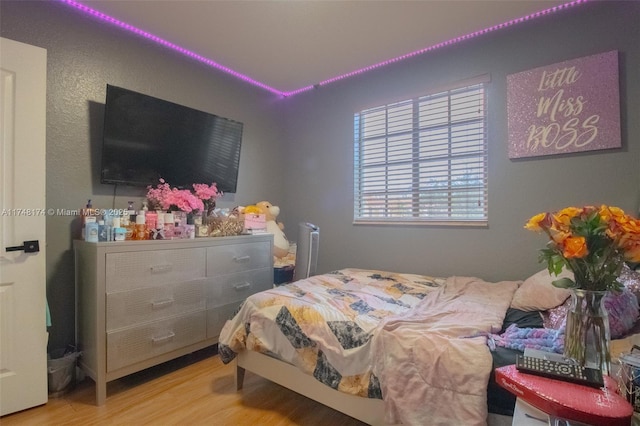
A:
(306, 251)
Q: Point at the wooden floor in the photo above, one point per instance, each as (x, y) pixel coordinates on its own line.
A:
(197, 389)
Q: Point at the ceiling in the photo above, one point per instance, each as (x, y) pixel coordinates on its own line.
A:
(291, 44)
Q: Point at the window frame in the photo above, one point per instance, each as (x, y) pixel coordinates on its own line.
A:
(417, 206)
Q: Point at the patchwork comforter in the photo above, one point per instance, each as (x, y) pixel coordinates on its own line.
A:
(416, 340)
(324, 324)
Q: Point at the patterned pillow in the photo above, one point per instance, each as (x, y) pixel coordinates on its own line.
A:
(623, 312)
(554, 318)
(630, 279)
(622, 308)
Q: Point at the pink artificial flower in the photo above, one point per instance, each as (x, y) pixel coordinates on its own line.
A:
(165, 197)
(183, 199)
(158, 195)
(206, 192)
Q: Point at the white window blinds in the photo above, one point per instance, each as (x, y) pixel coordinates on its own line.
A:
(423, 160)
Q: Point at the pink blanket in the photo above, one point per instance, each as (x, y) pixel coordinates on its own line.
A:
(436, 363)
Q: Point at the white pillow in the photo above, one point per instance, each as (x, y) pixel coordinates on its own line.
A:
(538, 294)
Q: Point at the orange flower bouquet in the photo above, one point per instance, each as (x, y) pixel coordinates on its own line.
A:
(591, 242)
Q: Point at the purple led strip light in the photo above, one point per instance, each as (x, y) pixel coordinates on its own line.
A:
(250, 80)
(447, 43)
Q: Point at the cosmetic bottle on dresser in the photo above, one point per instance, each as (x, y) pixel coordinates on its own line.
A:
(108, 223)
(168, 226)
(102, 231)
(119, 234)
(202, 230)
(132, 213)
(128, 222)
(88, 220)
(151, 220)
(115, 224)
(91, 232)
(179, 220)
(140, 232)
(125, 223)
(86, 213)
(158, 232)
(189, 228)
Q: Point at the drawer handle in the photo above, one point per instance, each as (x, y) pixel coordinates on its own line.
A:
(155, 269)
(159, 304)
(162, 339)
(242, 259)
(240, 287)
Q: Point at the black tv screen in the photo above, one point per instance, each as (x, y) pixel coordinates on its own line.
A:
(147, 138)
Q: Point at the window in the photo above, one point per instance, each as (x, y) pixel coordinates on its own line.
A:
(423, 160)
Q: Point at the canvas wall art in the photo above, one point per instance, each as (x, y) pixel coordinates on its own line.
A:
(567, 107)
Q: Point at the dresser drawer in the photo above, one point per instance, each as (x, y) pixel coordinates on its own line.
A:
(227, 259)
(129, 270)
(217, 317)
(127, 308)
(130, 345)
(237, 287)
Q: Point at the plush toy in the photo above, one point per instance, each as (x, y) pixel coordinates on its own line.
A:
(280, 242)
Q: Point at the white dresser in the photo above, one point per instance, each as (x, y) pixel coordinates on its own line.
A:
(141, 303)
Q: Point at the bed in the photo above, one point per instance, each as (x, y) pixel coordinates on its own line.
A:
(350, 336)
(429, 345)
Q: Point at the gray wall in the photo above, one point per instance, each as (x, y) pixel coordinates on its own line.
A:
(298, 152)
(320, 135)
(84, 55)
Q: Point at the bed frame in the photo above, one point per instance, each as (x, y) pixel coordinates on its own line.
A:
(370, 411)
(367, 410)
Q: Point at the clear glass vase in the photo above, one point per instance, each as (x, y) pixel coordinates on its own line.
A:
(587, 334)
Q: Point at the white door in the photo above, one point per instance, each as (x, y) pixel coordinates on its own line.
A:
(23, 331)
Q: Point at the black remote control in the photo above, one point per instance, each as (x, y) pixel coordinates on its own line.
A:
(560, 371)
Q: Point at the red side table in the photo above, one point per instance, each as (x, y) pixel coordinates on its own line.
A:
(566, 400)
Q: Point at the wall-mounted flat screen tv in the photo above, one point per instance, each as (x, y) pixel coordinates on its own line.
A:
(147, 138)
